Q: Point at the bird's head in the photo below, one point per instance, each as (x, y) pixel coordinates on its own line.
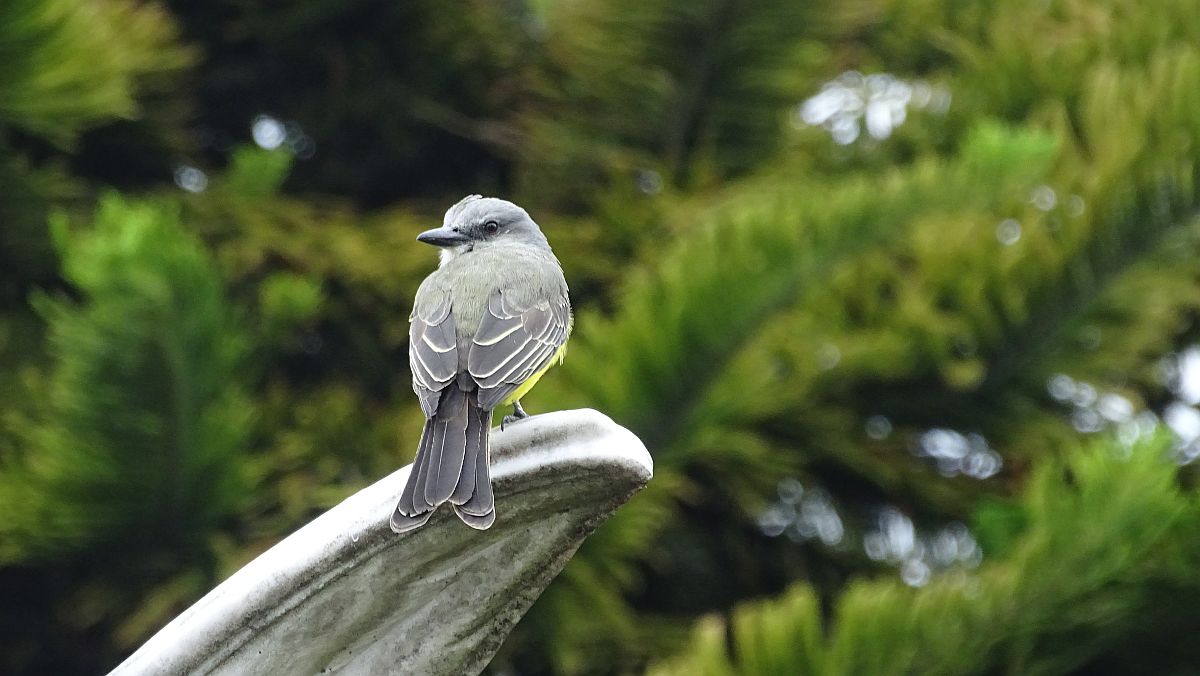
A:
(479, 221)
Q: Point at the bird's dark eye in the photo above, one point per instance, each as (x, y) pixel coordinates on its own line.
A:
(491, 226)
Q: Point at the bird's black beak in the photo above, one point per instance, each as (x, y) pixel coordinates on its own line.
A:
(442, 237)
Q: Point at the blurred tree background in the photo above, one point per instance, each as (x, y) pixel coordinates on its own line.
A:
(901, 294)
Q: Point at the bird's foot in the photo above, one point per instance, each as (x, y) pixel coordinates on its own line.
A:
(518, 414)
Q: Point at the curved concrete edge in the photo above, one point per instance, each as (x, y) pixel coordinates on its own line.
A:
(345, 594)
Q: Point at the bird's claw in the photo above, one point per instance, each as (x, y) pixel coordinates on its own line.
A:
(518, 415)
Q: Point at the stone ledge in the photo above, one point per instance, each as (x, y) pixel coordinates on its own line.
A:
(346, 595)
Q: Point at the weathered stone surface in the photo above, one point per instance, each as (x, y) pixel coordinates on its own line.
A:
(346, 595)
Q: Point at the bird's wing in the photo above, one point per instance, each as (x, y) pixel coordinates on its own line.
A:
(514, 342)
(432, 352)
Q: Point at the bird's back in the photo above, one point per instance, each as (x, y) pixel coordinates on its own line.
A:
(529, 275)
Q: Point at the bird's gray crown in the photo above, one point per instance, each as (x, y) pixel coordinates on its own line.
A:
(471, 215)
(452, 212)
(476, 209)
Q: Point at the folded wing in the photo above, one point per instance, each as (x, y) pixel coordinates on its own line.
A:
(432, 352)
(514, 342)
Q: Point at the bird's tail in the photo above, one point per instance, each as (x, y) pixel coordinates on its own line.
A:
(451, 466)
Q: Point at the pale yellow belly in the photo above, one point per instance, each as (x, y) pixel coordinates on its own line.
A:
(526, 386)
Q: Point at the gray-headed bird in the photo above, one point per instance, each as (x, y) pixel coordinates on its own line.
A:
(485, 326)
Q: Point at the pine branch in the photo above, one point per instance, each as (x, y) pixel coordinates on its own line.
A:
(68, 65)
(144, 424)
(1059, 603)
(679, 327)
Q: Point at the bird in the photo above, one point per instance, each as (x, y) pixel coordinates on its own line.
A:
(485, 326)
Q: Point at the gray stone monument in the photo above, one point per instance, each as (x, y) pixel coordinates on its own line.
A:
(346, 595)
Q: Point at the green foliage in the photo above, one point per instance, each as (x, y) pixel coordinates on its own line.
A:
(66, 65)
(749, 294)
(697, 90)
(753, 258)
(703, 378)
(404, 99)
(935, 322)
(288, 299)
(26, 252)
(1108, 530)
(144, 423)
(258, 173)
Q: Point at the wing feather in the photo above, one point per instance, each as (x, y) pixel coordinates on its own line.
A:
(432, 352)
(485, 360)
(513, 343)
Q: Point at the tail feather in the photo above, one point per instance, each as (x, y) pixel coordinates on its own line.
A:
(476, 522)
(402, 524)
(482, 502)
(445, 462)
(479, 432)
(408, 515)
(451, 466)
(408, 504)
